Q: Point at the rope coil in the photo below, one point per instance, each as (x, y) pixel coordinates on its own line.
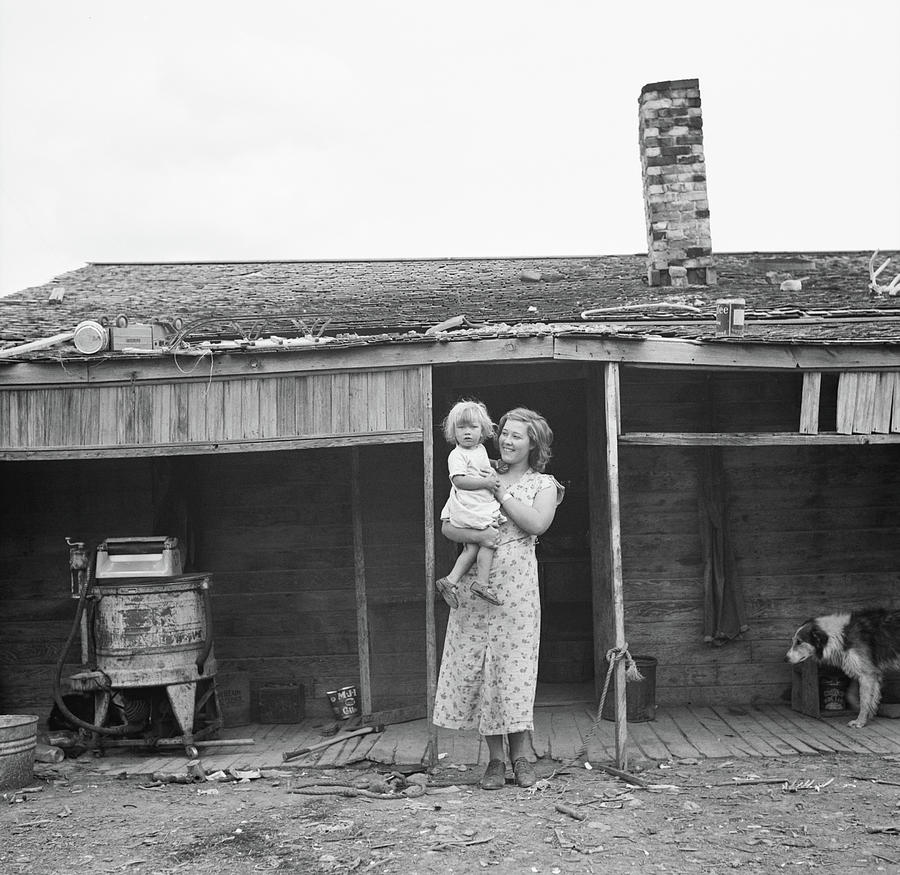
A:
(632, 672)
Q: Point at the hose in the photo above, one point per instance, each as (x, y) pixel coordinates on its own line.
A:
(57, 680)
(207, 644)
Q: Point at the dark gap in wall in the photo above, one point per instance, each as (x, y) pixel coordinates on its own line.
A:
(564, 567)
(828, 402)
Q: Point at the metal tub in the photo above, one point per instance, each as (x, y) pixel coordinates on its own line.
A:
(152, 631)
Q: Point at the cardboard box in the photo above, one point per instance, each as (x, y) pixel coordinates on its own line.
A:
(233, 693)
(281, 704)
(131, 337)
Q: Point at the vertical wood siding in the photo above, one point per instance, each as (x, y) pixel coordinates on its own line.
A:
(246, 409)
(867, 402)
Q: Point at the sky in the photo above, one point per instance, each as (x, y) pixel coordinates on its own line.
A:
(269, 130)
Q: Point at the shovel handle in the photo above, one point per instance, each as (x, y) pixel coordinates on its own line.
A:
(292, 754)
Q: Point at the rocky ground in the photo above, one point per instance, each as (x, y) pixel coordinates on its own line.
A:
(822, 813)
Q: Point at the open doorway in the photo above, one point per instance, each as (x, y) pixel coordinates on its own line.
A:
(566, 664)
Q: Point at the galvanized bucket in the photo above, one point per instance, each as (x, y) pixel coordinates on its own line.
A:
(640, 705)
(18, 736)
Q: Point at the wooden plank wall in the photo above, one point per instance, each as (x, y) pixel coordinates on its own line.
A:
(276, 532)
(278, 538)
(813, 530)
(45, 503)
(250, 408)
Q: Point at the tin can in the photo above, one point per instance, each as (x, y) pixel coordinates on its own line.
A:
(344, 702)
(729, 317)
(832, 694)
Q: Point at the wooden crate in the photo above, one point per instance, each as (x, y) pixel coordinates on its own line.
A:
(805, 694)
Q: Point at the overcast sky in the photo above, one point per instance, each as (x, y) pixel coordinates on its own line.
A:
(195, 130)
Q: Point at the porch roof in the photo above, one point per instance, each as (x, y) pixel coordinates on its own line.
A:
(399, 300)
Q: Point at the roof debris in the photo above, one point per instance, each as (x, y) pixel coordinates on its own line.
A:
(650, 306)
(304, 305)
(891, 288)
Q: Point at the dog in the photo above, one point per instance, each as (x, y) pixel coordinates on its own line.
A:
(862, 644)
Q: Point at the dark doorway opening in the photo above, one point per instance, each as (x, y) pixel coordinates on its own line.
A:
(566, 665)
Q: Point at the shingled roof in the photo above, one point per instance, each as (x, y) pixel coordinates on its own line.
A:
(401, 299)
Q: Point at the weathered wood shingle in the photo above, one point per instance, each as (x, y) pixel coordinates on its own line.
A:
(398, 296)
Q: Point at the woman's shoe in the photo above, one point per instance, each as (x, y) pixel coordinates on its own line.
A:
(494, 776)
(447, 590)
(524, 772)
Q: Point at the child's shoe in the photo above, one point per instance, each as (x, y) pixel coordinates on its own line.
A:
(486, 592)
(448, 591)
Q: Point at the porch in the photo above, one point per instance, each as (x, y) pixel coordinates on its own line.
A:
(678, 732)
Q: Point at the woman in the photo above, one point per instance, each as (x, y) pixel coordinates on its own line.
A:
(489, 666)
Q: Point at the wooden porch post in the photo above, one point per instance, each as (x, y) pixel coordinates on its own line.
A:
(359, 573)
(428, 513)
(613, 427)
(606, 548)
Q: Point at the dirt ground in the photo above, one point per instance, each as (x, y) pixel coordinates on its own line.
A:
(824, 813)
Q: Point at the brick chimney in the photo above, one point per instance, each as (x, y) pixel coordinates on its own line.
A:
(679, 248)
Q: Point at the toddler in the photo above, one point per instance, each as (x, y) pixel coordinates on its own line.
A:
(471, 505)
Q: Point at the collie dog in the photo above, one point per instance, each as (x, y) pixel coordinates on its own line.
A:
(862, 644)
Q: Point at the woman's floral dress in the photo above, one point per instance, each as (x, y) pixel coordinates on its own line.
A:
(489, 666)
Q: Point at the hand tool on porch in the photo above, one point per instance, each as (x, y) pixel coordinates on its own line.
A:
(388, 717)
(292, 754)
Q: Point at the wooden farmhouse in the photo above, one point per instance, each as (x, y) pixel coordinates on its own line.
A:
(282, 419)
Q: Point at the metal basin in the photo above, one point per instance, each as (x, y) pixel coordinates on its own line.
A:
(149, 632)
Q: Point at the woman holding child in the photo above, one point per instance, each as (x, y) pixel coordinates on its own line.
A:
(488, 671)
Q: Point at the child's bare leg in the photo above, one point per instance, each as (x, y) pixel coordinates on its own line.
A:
(472, 539)
(482, 586)
(463, 563)
(484, 560)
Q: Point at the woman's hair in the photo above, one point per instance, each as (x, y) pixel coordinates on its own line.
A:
(539, 433)
(468, 412)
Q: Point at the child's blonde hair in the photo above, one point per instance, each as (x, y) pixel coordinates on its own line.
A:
(468, 412)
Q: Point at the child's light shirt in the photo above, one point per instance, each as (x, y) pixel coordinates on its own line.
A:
(470, 508)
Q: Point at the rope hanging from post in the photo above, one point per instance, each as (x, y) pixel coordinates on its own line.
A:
(632, 673)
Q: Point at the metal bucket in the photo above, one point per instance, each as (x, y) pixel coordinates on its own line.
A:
(18, 736)
(150, 632)
(640, 696)
(832, 693)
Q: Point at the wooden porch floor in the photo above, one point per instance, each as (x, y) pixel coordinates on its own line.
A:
(560, 729)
